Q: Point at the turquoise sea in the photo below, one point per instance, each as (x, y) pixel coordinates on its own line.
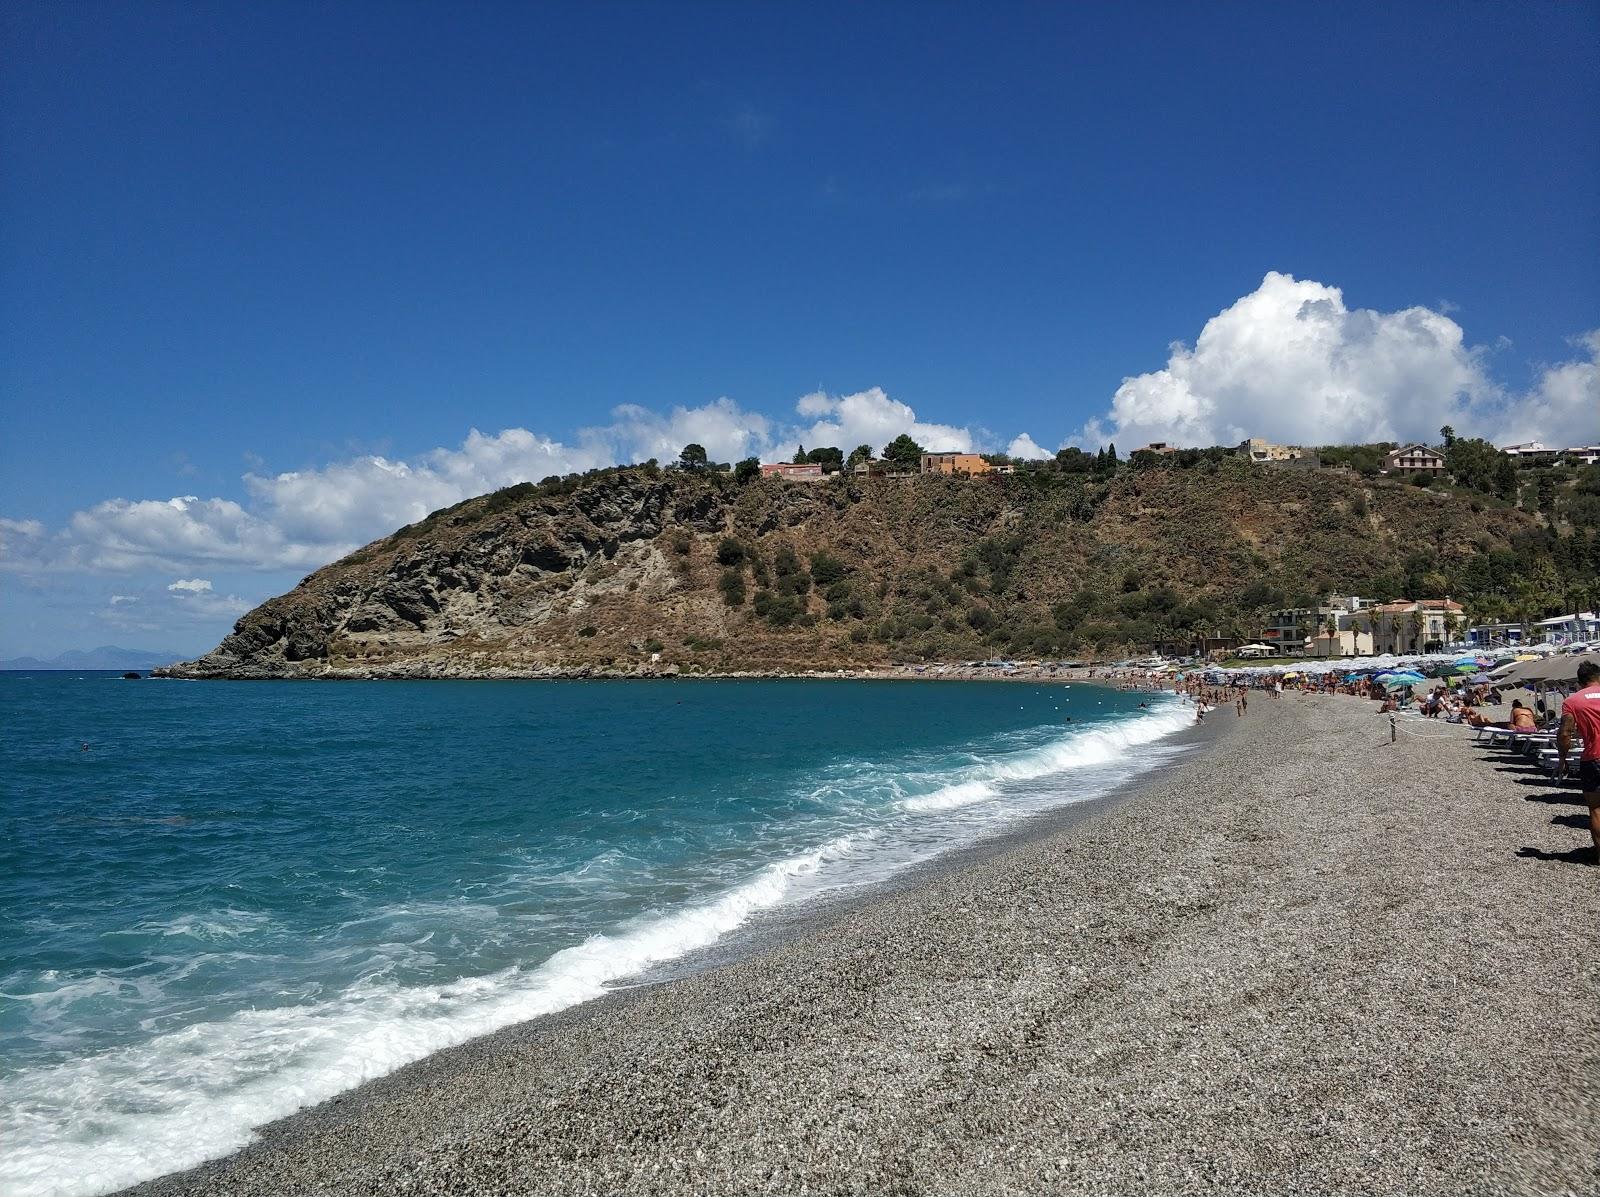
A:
(222, 902)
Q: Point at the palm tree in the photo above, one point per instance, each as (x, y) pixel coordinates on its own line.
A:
(1525, 608)
(1363, 622)
(1413, 627)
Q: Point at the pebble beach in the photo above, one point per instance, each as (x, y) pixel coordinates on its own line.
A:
(1302, 960)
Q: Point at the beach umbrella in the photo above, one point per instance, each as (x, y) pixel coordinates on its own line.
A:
(1395, 681)
(1401, 677)
(1556, 669)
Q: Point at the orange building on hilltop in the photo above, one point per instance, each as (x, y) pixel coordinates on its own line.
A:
(809, 471)
(968, 464)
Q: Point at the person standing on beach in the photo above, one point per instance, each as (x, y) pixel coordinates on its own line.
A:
(1580, 715)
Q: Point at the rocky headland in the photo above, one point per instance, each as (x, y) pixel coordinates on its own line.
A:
(637, 571)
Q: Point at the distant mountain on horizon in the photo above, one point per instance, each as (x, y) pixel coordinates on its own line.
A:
(107, 656)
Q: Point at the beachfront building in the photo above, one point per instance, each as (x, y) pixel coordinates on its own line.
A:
(810, 471)
(1288, 629)
(1419, 626)
(1413, 459)
(1495, 635)
(1335, 627)
(1577, 628)
(967, 465)
(1350, 640)
(1196, 645)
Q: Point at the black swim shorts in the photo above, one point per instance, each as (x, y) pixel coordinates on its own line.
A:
(1589, 776)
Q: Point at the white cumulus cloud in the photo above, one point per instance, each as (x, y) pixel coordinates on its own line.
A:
(868, 417)
(20, 529)
(123, 534)
(725, 430)
(205, 606)
(1291, 362)
(118, 600)
(1563, 409)
(1026, 448)
(350, 502)
(300, 519)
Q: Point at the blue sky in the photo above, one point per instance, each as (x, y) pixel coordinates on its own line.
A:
(285, 259)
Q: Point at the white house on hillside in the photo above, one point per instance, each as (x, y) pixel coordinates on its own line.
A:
(1414, 459)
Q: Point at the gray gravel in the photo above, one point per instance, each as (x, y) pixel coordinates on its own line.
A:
(1305, 961)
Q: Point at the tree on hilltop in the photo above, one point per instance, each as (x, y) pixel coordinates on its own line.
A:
(858, 455)
(693, 456)
(903, 452)
(1073, 460)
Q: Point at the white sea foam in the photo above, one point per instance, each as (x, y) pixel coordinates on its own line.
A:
(1105, 745)
(951, 797)
(99, 1122)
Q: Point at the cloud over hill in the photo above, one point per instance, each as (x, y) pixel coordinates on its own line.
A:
(1291, 362)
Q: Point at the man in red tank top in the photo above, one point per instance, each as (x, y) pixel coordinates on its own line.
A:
(1580, 716)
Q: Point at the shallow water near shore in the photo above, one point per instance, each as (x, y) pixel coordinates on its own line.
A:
(222, 902)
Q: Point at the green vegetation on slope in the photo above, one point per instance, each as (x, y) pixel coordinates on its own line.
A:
(1084, 555)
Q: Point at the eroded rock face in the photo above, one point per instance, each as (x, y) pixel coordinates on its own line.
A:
(401, 606)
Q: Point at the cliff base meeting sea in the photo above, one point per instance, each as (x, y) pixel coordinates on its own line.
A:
(223, 902)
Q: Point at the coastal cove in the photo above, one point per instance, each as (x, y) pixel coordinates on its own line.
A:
(954, 601)
(1267, 969)
(239, 899)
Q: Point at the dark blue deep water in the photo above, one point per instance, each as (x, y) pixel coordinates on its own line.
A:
(220, 902)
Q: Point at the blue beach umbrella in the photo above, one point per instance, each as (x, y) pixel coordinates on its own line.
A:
(1400, 677)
